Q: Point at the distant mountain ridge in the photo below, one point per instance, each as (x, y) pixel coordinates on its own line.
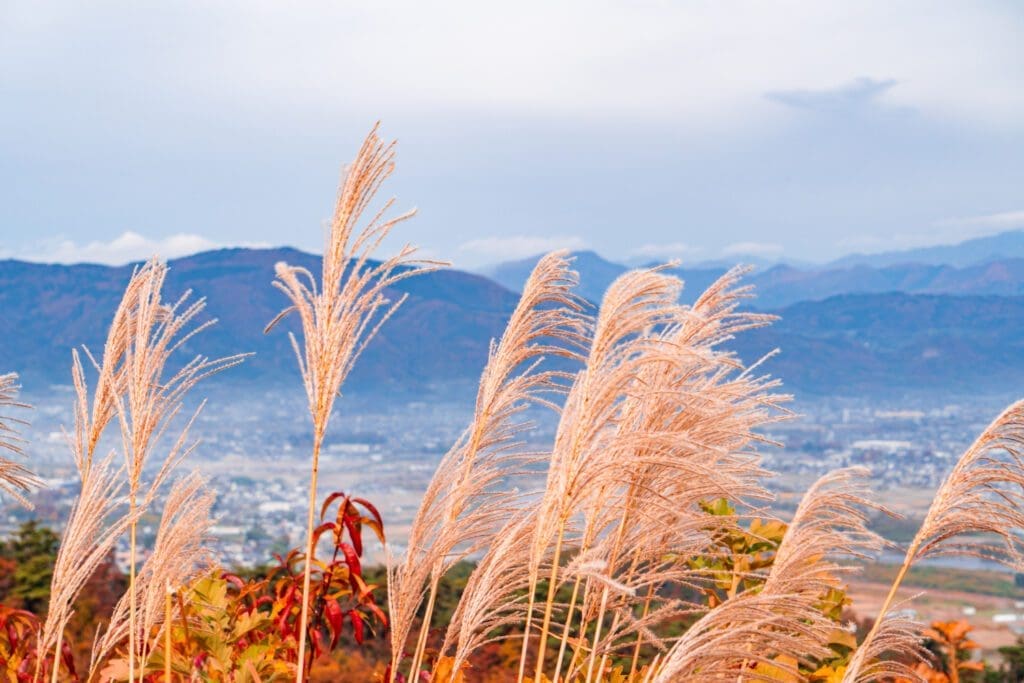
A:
(849, 344)
(442, 331)
(894, 343)
(784, 285)
(1005, 245)
(596, 273)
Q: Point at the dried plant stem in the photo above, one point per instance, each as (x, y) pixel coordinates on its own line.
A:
(531, 601)
(131, 590)
(549, 603)
(421, 641)
(566, 628)
(56, 656)
(167, 634)
(307, 573)
(639, 636)
(597, 634)
(616, 549)
(908, 560)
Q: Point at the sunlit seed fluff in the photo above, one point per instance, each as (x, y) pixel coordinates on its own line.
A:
(15, 478)
(462, 508)
(339, 315)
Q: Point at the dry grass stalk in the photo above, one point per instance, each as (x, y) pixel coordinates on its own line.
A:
(15, 479)
(461, 509)
(635, 303)
(179, 555)
(896, 634)
(691, 419)
(983, 495)
(152, 396)
(342, 314)
(494, 596)
(782, 619)
(97, 520)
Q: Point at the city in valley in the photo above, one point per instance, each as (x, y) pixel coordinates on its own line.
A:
(255, 451)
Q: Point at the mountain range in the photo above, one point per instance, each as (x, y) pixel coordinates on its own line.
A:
(781, 285)
(440, 333)
(1009, 244)
(853, 330)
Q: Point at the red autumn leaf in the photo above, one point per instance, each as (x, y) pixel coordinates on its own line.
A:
(357, 625)
(330, 499)
(68, 658)
(318, 642)
(233, 579)
(377, 611)
(376, 515)
(354, 532)
(336, 620)
(351, 558)
(319, 531)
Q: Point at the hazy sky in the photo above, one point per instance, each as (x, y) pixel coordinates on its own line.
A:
(640, 129)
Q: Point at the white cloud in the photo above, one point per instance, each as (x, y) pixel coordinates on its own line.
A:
(507, 247)
(689, 62)
(857, 94)
(761, 249)
(127, 247)
(944, 231)
(1007, 220)
(663, 251)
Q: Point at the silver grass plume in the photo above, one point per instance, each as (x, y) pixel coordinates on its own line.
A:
(637, 302)
(896, 634)
(96, 521)
(984, 496)
(782, 617)
(494, 596)
(830, 523)
(15, 479)
(341, 315)
(153, 396)
(98, 517)
(180, 553)
(461, 509)
(685, 435)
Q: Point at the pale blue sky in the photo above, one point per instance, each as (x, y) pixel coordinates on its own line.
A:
(802, 130)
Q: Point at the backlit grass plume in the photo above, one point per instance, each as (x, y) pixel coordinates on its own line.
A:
(494, 597)
(180, 553)
(15, 479)
(342, 313)
(153, 393)
(684, 435)
(98, 517)
(830, 523)
(982, 496)
(634, 304)
(759, 633)
(462, 508)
